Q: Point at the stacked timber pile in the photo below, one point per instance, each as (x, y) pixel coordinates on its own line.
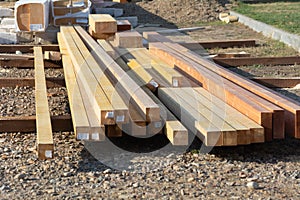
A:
(104, 99)
(113, 86)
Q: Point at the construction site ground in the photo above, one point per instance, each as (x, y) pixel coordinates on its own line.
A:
(260, 171)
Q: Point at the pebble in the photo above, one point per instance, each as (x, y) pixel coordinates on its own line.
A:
(135, 185)
(191, 179)
(252, 185)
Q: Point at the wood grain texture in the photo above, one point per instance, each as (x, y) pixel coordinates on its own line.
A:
(45, 145)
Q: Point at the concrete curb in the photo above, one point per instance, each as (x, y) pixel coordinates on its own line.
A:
(291, 40)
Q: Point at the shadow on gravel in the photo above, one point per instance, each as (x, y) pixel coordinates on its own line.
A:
(287, 150)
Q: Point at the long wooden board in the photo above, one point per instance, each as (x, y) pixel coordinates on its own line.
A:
(235, 62)
(28, 64)
(199, 111)
(123, 81)
(26, 48)
(45, 145)
(51, 82)
(217, 116)
(291, 107)
(196, 123)
(27, 124)
(87, 82)
(277, 82)
(119, 106)
(214, 103)
(213, 83)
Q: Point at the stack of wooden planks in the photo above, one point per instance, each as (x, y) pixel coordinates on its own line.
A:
(167, 89)
(104, 97)
(212, 120)
(276, 113)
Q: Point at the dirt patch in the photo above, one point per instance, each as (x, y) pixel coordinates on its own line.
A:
(174, 12)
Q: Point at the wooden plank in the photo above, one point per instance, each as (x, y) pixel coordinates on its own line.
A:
(212, 102)
(243, 132)
(196, 123)
(277, 82)
(80, 119)
(51, 82)
(86, 124)
(212, 82)
(230, 133)
(291, 107)
(102, 23)
(87, 82)
(119, 106)
(278, 113)
(173, 129)
(26, 48)
(218, 44)
(128, 39)
(9, 56)
(45, 145)
(123, 25)
(137, 123)
(125, 83)
(27, 124)
(28, 64)
(241, 61)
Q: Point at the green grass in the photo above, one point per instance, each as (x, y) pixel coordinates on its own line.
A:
(283, 15)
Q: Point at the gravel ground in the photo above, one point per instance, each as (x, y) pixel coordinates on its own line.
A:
(20, 101)
(259, 171)
(265, 171)
(28, 73)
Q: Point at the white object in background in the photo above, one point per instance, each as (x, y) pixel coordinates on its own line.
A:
(32, 15)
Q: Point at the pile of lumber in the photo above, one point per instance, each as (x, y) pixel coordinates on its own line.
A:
(278, 114)
(104, 99)
(169, 89)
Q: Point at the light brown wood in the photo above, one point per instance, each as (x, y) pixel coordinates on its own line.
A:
(292, 108)
(128, 39)
(125, 84)
(213, 83)
(120, 108)
(198, 124)
(45, 145)
(211, 101)
(87, 82)
(102, 23)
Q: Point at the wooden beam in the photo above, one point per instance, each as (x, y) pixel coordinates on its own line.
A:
(229, 132)
(26, 48)
(27, 124)
(28, 64)
(45, 145)
(87, 82)
(174, 130)
(242, 61)
(218, 116)
(277, 82)
(196, 123)
(216, 85)
(123, 81)
(291, 107)
(51, 82)
(216, 104)
(80, 120)
(119, 106)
